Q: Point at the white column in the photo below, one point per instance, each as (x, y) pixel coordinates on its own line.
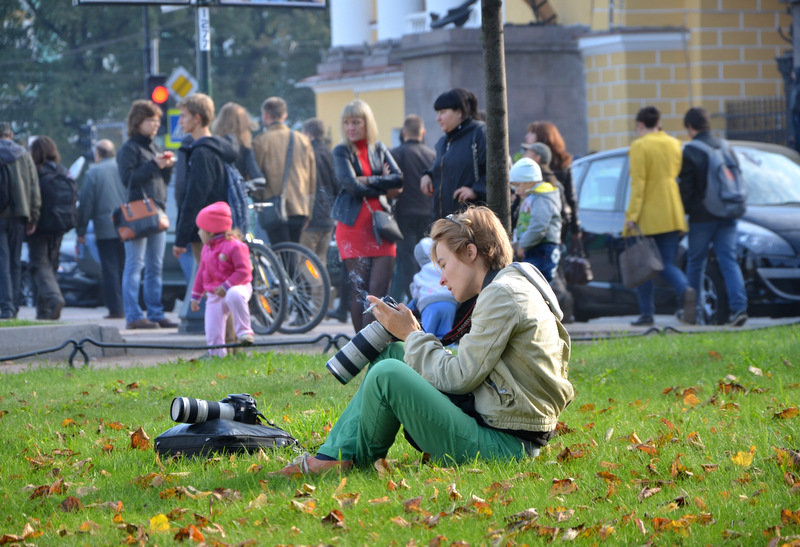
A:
(392, 16)
(350, 22)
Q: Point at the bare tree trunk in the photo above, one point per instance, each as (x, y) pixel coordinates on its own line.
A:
(494, 63)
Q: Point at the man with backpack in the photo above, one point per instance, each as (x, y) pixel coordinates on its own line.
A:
(713, 196)
(20, 202)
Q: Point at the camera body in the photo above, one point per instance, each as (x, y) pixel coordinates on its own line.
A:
(239, 407)
(365, 346)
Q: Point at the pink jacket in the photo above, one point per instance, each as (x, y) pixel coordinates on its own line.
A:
(224, 262)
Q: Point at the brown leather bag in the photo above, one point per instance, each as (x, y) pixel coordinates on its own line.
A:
(140, 218)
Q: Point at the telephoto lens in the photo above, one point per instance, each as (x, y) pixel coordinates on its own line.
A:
(362, 349)
(191, 411)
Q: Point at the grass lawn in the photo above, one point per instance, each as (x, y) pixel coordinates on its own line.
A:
(680, 439)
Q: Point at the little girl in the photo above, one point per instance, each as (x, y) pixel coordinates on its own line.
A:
(224, 274)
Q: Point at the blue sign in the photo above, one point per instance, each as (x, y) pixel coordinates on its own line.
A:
(174, 134)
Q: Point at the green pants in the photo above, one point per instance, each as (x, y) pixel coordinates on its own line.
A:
(393, 394)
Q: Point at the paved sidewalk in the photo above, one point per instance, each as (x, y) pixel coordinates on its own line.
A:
(80, 323)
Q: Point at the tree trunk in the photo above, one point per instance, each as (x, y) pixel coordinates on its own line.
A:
(494, 63)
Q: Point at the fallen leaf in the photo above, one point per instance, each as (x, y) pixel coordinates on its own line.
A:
(400, 521)
(335, 518)
(383, 467)
(347, 499)
(691, 400)
(307, 506)
(744, 459)
(755, 371)
(375, 501)
(452, 492)
(787, 413)
(71, 503)
(647, 492)
(563, 486)
(159, 523)
(140, 440)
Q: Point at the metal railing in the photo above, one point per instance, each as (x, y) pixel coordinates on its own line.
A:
(761, 119)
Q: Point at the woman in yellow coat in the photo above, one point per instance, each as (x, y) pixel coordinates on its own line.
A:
(655, 208)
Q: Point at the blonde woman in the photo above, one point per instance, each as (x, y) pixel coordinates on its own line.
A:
(234, 121)
(366, 173)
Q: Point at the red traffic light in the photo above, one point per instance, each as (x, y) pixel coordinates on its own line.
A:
(160, 94)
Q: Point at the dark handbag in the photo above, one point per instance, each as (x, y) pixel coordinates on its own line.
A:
(640, 261)
(384, 225)
(576, 267)
(140, 218)
(274, 210)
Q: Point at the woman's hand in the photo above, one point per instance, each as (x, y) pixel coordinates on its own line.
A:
(465, 193)
(400, 322)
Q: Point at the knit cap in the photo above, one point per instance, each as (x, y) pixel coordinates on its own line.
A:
(216, 218)
(525, 170)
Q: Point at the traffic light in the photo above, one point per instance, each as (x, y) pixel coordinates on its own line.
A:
(86, 140)
(157, 92)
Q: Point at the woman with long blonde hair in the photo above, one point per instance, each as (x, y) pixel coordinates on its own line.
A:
(366, 173)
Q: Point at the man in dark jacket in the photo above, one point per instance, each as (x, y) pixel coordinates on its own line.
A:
(101, 193)
(412, 209)
(706, 228)
(317, 233)
(206, 179)
(17, 219)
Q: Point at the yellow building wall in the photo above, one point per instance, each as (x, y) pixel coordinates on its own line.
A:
(729, 54)
(386, 104)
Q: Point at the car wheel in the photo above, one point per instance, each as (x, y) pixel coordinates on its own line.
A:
(715, 297)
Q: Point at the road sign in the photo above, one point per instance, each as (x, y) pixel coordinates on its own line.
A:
(174, 132)
(181, 84)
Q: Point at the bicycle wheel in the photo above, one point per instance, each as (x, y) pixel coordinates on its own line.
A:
(308, 287)
(269, 301)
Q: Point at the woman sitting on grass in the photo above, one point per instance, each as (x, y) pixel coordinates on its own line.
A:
(510, 369)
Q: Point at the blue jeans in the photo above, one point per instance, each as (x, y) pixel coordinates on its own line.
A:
(147, 253)
(668, 246)
(545, 256)
(12, 234)
(722, 233)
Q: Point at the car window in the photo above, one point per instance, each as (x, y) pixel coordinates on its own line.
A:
(599, 189)
(770, 179)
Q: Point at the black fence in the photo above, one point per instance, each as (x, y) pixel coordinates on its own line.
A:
(761, 119)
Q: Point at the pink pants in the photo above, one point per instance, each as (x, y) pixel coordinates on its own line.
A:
(217, 309)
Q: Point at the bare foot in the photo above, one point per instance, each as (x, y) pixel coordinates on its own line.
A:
(306, 464)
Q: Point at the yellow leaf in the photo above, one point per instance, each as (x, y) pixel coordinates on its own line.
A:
(691, 400)
(159, 523)
(744, 459)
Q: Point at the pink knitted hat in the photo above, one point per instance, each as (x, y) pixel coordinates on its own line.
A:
(216, 218)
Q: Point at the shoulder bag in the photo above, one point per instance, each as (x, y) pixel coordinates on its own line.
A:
(140, 218)
(640, 261)
(274, 211)
(384, 225)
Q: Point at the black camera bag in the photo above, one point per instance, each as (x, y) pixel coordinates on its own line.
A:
(227, 436)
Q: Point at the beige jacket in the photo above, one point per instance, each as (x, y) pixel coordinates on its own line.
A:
(270, 150)
(514, 359)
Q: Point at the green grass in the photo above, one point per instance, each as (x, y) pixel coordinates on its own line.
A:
(22, 323)
(672, 440)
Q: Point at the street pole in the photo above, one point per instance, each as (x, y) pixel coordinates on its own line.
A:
(146, 25)
(203, 47)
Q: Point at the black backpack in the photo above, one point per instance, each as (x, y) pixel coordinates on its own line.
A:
(59, 213)
(6, 199)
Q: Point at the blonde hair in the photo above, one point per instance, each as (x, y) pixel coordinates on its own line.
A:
(234, 120)
(360, 109)
(199, 104)
(476, 225)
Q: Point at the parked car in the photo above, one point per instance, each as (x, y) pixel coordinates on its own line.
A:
(768, 237)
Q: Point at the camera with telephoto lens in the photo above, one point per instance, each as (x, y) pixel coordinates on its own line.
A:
(239, 407)
(365, 346)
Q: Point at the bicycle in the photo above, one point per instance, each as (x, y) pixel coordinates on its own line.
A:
(304, 280)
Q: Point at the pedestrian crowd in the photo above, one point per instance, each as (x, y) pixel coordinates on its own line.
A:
(323, 194)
